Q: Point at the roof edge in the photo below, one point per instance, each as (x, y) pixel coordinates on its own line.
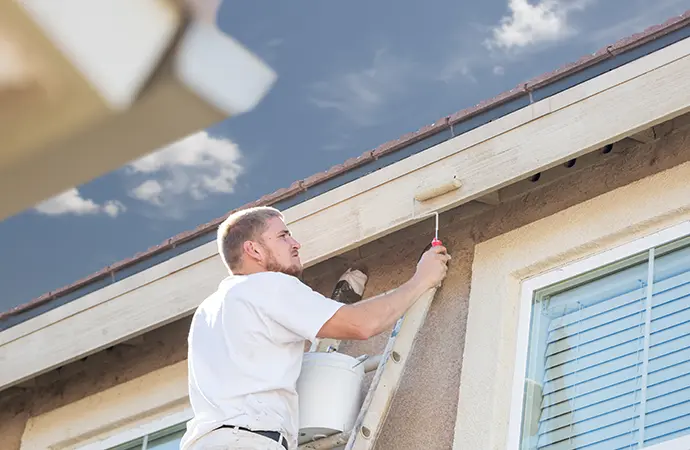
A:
(445, 123)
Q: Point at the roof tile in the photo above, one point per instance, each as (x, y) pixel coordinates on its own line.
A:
(650, 33)
(409, 138)
(486, 104)
(338, 169)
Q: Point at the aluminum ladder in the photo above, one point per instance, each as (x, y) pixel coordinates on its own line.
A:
(384, 385)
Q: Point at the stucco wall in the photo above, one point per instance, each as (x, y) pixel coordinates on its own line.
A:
(424, 411)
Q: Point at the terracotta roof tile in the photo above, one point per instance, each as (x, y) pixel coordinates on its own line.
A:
(487, 104)
(338, 169)
(650, 33)
(409, 138)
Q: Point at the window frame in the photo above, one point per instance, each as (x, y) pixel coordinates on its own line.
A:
(577, 272)
(152, 435)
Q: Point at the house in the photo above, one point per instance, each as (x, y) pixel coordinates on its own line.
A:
(563, 319)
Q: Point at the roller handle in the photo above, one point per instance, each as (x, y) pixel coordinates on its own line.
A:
(434, 243)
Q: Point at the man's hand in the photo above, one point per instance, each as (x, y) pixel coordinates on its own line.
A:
(432, 267)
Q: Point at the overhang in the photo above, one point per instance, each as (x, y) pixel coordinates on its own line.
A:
(528, 131)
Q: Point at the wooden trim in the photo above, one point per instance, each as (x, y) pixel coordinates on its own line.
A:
(114, 416)
(97, 51)
(600, 111)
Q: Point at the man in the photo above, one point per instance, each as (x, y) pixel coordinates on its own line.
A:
(247, 339)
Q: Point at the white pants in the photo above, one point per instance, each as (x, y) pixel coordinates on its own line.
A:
(231, 439)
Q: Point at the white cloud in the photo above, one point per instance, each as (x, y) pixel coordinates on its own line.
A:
(543, 21)
(362, 94)
(189, 169)
(149, 191)
(113, 208)
(499, 70)
(71, 202)
(457, 68)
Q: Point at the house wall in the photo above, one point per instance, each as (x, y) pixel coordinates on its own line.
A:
(424, 411)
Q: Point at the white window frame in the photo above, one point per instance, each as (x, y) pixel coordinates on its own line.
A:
(576, 269)
(137, 432)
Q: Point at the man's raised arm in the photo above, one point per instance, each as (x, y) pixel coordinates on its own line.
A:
(368, 318)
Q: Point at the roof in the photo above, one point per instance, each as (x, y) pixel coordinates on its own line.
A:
(612, 56)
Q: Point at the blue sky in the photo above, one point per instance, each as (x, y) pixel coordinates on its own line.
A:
(352, 75)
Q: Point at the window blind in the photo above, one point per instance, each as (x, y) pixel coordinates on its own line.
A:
(592, 376)
(668, 383)
(612, 360)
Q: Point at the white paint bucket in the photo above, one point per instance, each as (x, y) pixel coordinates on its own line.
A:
(329, 389)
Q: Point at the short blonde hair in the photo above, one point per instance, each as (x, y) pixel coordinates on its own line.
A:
(239, 227)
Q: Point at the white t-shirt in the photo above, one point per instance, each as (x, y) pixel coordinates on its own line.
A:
(246, 344)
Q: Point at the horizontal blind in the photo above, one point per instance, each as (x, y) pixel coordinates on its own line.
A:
(668, 383)
(591, 379)
(593, 355)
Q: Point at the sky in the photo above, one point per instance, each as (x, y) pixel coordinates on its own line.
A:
(351, 76)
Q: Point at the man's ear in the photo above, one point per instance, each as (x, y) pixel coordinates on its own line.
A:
(252, 250)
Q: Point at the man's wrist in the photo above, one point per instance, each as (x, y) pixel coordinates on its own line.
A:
(416, 286)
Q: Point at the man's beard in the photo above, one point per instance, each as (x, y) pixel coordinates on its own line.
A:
(273, 266)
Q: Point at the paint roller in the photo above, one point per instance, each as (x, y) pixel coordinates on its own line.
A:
(431, 192)
(437, 190)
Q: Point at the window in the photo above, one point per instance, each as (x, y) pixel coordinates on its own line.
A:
(167, 439)
(608, 359)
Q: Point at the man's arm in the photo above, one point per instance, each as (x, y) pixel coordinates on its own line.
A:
(370, 317)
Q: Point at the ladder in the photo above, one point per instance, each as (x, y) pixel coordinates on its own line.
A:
(377, 403)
